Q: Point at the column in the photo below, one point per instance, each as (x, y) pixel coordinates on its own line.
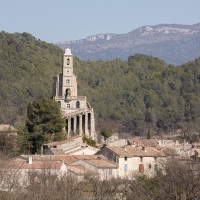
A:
(80, 125)
(86, 123)
(75, 121)
(69, 126)
(92, 126)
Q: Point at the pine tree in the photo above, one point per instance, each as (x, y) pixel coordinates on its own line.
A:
(44, 119)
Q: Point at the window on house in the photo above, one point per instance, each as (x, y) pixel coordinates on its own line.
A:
(149, 166)
(125, 168)
(125, 158)
(155, 158)
(141, 159)
(110, 172)
(141, 168)
(68, 105)
(68, 61)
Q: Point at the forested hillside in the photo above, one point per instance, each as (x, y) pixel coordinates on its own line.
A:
(27, 66)
(141, 93)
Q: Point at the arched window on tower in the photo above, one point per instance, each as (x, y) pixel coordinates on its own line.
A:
(68, 92)
(78, 104)
(68, 61)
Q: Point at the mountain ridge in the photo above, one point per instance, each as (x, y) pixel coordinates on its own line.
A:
(174, 43)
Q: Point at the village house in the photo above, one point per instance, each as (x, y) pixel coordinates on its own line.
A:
(77, 166)
(19, 171)
(102, 167)
(183, 149)
(133, 160)
(70, 146)
(28, 163)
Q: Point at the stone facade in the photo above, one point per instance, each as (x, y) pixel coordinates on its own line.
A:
(132, 160)
(77, 111)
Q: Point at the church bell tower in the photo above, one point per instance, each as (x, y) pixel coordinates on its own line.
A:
(75, 109)
(69, 84)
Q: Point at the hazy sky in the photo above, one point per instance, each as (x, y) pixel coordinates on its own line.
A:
(59, 20)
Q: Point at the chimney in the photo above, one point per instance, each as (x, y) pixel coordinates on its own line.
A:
(144, 149)
(30, 160)
(125, 147)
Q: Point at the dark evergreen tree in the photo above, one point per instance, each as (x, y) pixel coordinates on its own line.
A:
(44, 119)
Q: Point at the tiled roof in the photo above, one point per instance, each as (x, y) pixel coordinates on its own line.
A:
(89, 157)
(134, 152)
(41, 157)
(7, 128)
(68, 159)
(55, 161)
(136, 142)
(57, 151)
(65, 158)
(93, 149)
(35, 165)
(145, 143)
(79, 170)
(101, 163)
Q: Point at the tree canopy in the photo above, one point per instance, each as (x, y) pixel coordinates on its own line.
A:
(44, 120)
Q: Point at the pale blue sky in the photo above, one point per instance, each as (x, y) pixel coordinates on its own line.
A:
(59, 20)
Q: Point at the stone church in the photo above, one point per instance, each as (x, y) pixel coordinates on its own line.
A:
(77, 111)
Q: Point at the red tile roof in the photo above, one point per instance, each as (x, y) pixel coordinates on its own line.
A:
(57, 151)
(89, 157)
(145, 143)
(101, 163)
(134, 152)
(68, 159)
(35, 165)
(46, 161)
(79, 170)
(40, 157)
(136, 142)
